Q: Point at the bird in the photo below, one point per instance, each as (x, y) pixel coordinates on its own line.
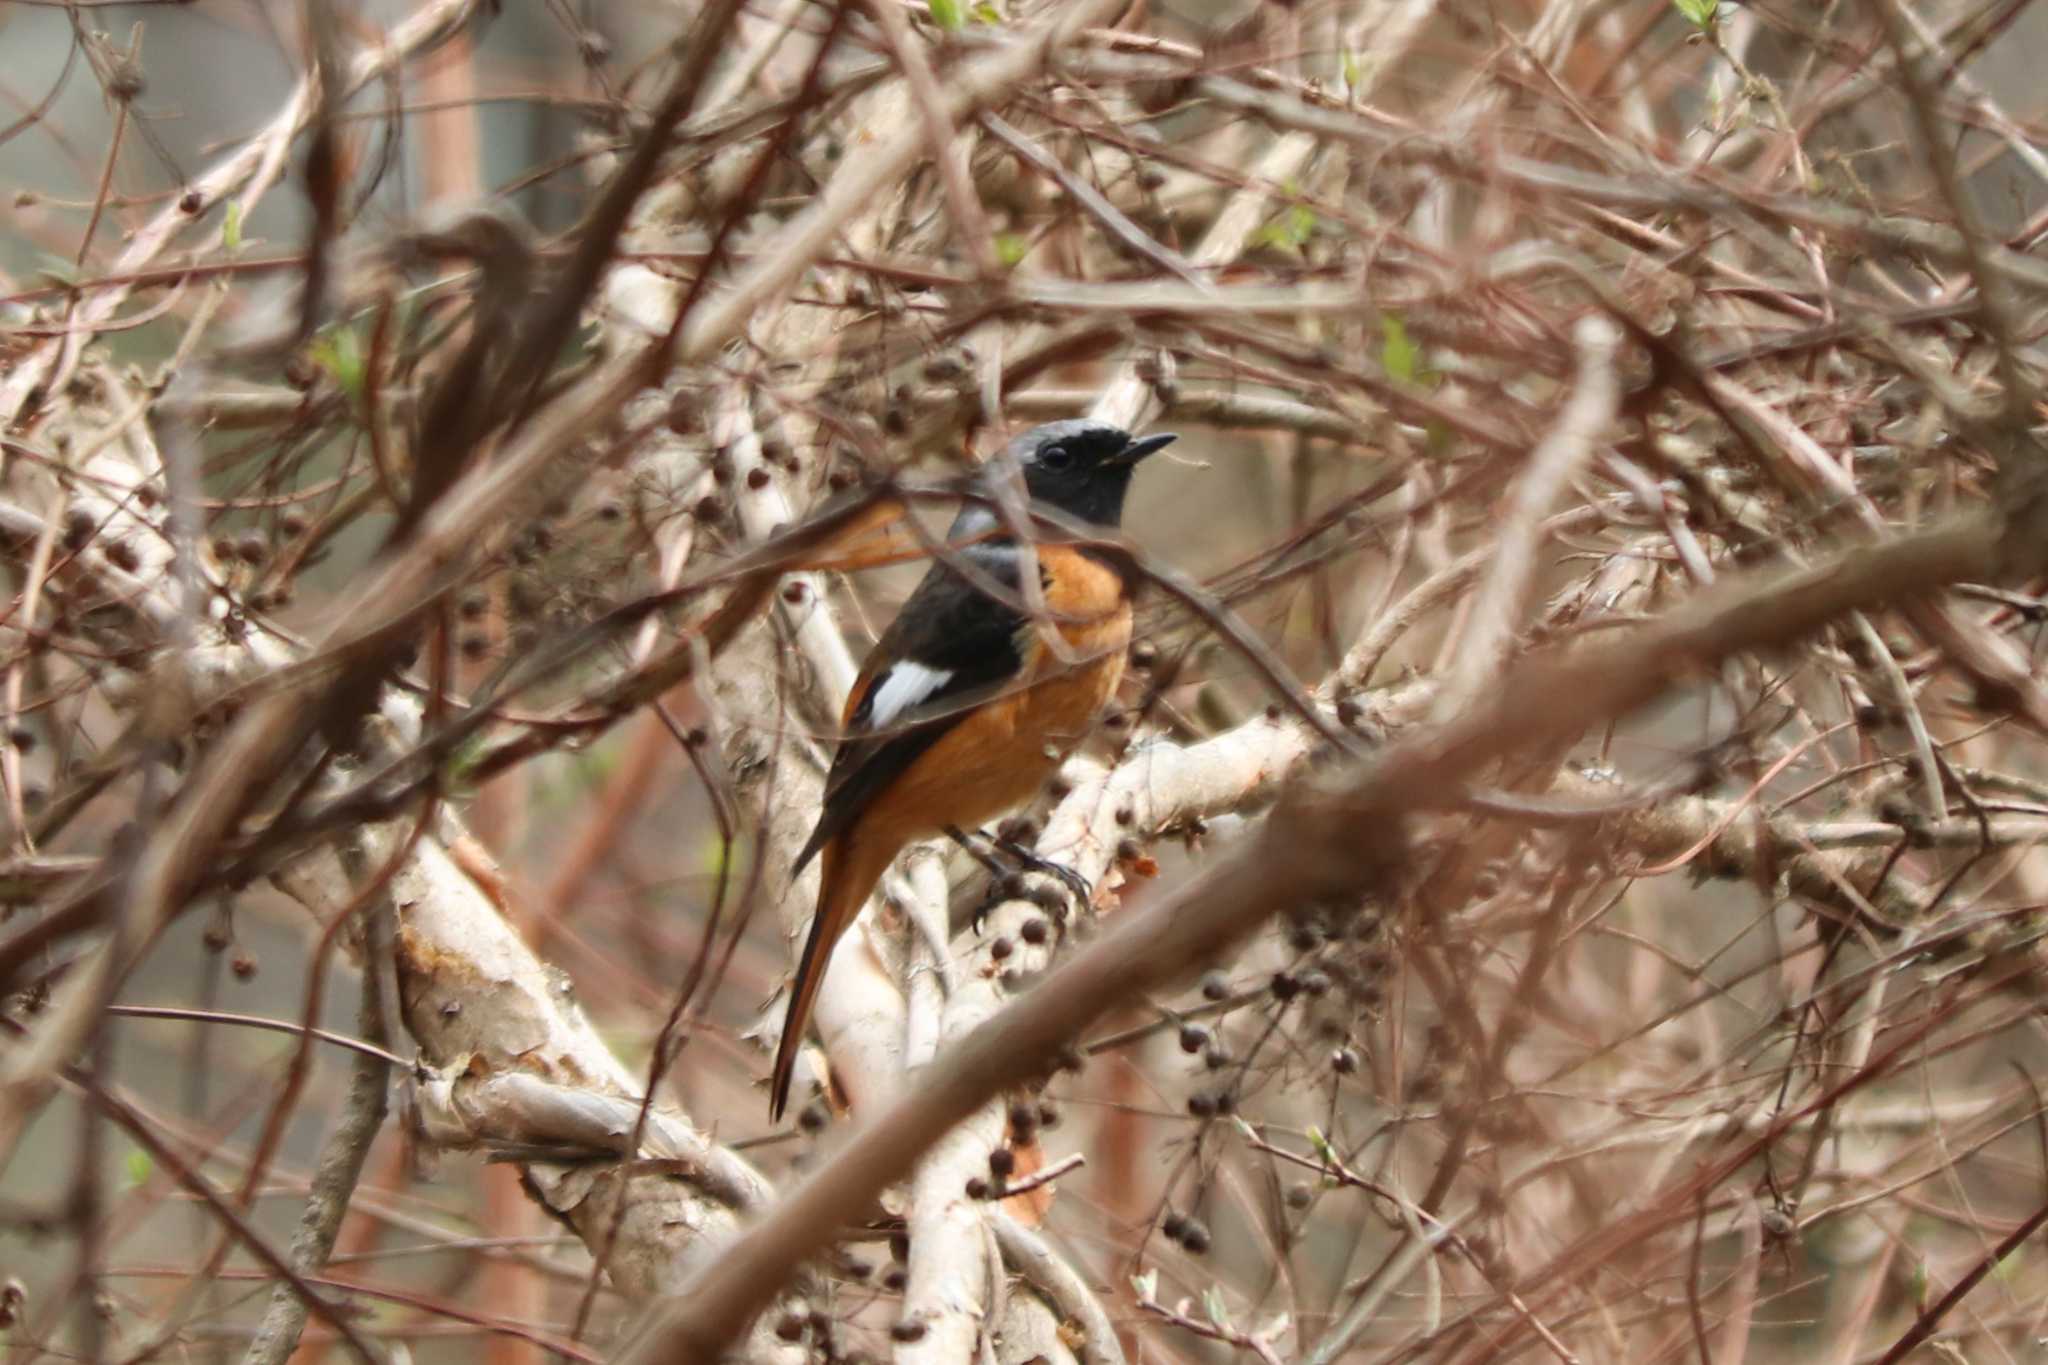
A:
(968, 702)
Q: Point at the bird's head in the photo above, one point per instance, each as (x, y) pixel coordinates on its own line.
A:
(1082, 467)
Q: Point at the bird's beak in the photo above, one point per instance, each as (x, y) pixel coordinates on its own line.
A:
(1139, 449)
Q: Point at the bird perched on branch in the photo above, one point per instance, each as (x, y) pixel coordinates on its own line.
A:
(978, 690)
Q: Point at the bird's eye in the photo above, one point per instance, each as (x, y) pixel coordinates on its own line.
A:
(1055, 457)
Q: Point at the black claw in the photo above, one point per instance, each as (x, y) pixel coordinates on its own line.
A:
(1079, 886)
(1006, 882)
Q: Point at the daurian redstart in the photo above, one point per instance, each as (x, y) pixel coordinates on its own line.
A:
(969, 700)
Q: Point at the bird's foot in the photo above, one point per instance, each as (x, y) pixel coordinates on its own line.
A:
(989, 862)
(1078, 886)
(1006, 882)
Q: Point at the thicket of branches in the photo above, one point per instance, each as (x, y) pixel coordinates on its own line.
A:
(1565, 858)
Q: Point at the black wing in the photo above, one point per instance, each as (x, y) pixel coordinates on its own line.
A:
(950, 647)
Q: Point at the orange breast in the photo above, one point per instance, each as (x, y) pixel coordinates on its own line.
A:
(997, 758)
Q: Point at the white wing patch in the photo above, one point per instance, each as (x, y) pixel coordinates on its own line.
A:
(905, 685)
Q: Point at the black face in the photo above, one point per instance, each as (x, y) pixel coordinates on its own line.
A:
(1082, 467)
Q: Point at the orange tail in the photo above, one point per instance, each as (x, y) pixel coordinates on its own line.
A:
(844, 884)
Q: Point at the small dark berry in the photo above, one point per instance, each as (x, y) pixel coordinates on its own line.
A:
(894, 1278)
(191, 203)
(1201, 1105)
(243, 965)
(1217, 1057)
(1193, 1038)
(1023, 1117)
(811, 1118)
(908, 1329)
(790, 1327)
(999, 948)
(1215, 986)
(977, 1188)
(1195, 1240)
(757, 478)
(1032, 931)
(1001, 1162)
(1048, 1116)
(1299, 1195)
(1174, 1225)
(1344, 1061)
(1284, 987)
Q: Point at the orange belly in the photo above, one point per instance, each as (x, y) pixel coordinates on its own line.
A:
(999, 757)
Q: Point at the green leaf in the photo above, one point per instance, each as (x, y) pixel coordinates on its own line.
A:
(339, 351)
(231, 225)
(1701, 13)
(724, 857)
(1399, 355)
(1290, 231)
(1351, 70)
(138, 1168)
(1012, 247)
(1213, 1305)
(985, 13)
(946, 13)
